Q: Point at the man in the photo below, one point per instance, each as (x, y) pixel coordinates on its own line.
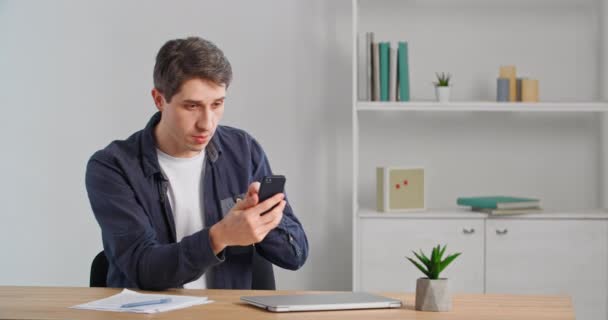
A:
(168, 198)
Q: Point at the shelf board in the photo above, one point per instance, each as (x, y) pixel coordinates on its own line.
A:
(455, 213)
(485, 106)
(463, 213)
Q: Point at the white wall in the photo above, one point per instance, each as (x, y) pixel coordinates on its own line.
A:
(75, 75)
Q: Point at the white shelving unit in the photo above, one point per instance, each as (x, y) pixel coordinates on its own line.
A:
(460, 213)
(484, 106)
(575, 108)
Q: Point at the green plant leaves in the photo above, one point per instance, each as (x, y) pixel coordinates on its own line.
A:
(428, 261)
(433, 266)
(443, 80)
(419, 267)
(447, 261)
(423, 259)
(442, 251)
(434, 270)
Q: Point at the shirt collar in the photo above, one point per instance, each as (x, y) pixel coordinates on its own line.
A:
(148, 147)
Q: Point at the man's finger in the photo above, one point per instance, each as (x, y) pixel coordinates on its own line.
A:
(269, 217)
(268, 204)
(274, 214)
(248, 202)
(264, 229)
(275, 218)
(254, 188)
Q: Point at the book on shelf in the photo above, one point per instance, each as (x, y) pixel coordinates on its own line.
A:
(392, 91)
(369, 40)
(376, 71)
(498, 212)
(382, 69)
(365, 66)
(498, 202)
(404, 72)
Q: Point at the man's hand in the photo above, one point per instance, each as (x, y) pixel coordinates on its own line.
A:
(244, 225)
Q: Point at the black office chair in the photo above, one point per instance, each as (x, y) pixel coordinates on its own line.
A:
(262, 273)
(99, 271)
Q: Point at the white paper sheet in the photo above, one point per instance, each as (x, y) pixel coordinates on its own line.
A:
(114, 302)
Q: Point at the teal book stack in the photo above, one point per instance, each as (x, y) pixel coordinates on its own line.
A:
(384, 70)
(499, 202)
(404, 72)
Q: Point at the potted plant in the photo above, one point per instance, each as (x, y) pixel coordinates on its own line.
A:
(432, 292)
(442, 87)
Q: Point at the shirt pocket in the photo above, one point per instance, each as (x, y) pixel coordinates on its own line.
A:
(236, 254)
(229, 202)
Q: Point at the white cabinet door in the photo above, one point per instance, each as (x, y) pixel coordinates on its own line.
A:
(386, 242)
(550, 257)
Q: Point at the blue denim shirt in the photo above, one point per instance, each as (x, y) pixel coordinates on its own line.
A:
(128, 196)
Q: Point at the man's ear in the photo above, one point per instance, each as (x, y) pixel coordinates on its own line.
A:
(159, 99)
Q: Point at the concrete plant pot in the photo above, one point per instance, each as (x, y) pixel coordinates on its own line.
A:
(433, 295)
(442, 94)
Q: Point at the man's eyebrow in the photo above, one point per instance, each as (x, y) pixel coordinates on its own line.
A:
(193, 101)
(201, 102)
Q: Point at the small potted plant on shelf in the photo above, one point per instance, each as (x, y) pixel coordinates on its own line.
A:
(432, 292)
(442, 87)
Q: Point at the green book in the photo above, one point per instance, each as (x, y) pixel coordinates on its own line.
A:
(498, 212)
(499, 202)
(384, 70)
(404, 72)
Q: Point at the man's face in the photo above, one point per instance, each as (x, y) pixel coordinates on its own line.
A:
(189, 121)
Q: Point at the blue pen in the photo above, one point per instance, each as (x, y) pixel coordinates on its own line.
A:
(146, 303)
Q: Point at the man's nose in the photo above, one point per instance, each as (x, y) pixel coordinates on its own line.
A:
(204, 120)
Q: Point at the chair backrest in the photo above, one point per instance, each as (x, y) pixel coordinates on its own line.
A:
(262, 273)
(99, 271)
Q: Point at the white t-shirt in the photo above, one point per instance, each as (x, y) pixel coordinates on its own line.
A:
(185, 197)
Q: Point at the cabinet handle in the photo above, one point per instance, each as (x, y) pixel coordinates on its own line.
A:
(468, 231)
(501, 232)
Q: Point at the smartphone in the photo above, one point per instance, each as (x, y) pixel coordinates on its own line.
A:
(269, 186)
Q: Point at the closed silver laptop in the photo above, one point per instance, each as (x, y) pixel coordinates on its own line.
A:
(321, 301)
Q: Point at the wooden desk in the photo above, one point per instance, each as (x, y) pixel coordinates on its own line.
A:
(53, 303)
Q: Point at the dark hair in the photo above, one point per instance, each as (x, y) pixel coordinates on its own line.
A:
(180, 60)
